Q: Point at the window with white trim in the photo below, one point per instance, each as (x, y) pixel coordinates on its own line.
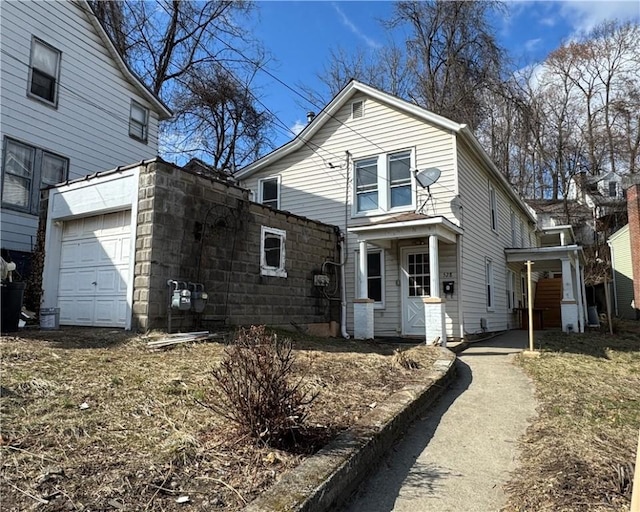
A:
(514, 235)
(375, 276)
(489, 284)
(44, 72)
(613, 189)
(493, 205)
(383, 183)
(269, 192)
(523, 290)
(138, 121)
(511, 289)
(25, 170)
(272, 252)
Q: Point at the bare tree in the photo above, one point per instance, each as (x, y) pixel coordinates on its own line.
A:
(452, 54)
(223, 118)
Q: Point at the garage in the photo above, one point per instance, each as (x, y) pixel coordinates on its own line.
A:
(94, 270)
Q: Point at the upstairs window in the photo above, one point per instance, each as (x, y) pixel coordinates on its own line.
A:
(514, 234)
(613, 189)
(383, 183)
(44, 71)
(272, 252)
(400, 179)
(138, 122)
(367, 184)
(269, 192)
(25, 169)
(493, 205)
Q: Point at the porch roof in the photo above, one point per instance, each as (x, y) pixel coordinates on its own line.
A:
(407, 226)
(546, 258)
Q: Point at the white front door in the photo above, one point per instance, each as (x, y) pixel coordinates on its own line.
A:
(415, 285)
(94, 270)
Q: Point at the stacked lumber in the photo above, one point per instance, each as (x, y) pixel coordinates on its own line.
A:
(169, 340)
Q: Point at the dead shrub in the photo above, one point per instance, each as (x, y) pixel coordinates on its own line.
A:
(257, 389)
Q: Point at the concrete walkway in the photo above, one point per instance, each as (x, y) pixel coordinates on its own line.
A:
(458, 456)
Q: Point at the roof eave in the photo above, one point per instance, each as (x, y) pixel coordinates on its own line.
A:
(163, 110)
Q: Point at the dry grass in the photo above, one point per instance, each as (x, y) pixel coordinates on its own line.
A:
(93, 420)
(578, 455)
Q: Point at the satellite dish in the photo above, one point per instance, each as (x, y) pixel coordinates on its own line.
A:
(428, 177)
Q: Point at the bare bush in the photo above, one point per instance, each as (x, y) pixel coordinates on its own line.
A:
(257, 389)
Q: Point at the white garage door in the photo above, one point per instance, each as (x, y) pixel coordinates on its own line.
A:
(94, 270)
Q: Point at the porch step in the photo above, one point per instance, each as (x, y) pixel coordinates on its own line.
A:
(548, 297)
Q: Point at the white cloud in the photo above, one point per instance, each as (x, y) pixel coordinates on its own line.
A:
(532, 44)
(372, 43)
(298, 126)
(585, 15)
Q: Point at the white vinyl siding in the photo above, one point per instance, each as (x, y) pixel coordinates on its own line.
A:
(90, 126)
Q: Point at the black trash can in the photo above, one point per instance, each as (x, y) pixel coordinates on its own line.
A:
(11, 305)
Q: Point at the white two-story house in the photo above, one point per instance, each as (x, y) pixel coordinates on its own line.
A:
(436, 239)
(70, 107)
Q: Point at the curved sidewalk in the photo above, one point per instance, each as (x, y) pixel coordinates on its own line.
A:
(458, 456)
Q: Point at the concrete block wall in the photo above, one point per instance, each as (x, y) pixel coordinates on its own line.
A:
(196, 229)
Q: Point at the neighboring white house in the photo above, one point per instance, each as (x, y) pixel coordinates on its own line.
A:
(70, 107)
(433, 230)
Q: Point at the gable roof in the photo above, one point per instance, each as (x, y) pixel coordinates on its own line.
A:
(164, 112)
(343, 97)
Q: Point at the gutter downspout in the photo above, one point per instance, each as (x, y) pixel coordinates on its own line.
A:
(343, 256)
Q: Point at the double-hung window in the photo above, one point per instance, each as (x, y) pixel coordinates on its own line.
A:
(383, 183)
(138, 122)
(272, 252)
(375, 276)
(44, 72)
(514, 235)
(269, 192)
(367, 185)
(493, 205)
(489, 284)
(25, 169)
(400, 179)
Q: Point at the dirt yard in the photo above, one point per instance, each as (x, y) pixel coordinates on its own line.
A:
(92, 419)
(579, 453)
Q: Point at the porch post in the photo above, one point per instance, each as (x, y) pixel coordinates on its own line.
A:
(363, 290)
(581, 318)
(567, 280)
(434, 307)
(363, 328)
(568, 306)
(434, 267)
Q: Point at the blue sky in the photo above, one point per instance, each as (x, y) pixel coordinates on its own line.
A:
(300, 34)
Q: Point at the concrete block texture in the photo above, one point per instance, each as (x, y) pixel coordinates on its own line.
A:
(435, 321)
(325, 480)
(200, 230)
(363, 319)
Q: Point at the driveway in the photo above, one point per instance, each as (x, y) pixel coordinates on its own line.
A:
(458, 456)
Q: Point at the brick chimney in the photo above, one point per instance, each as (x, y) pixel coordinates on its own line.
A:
(633, 210)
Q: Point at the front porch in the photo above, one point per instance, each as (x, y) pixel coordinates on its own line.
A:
(416, 243)
(567, 260)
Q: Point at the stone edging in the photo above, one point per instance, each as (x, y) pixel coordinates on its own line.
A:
(329, 477)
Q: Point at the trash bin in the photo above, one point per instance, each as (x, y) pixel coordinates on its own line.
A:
(11, 306)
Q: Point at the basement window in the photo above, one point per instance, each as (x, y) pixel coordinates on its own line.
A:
(272, 252)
